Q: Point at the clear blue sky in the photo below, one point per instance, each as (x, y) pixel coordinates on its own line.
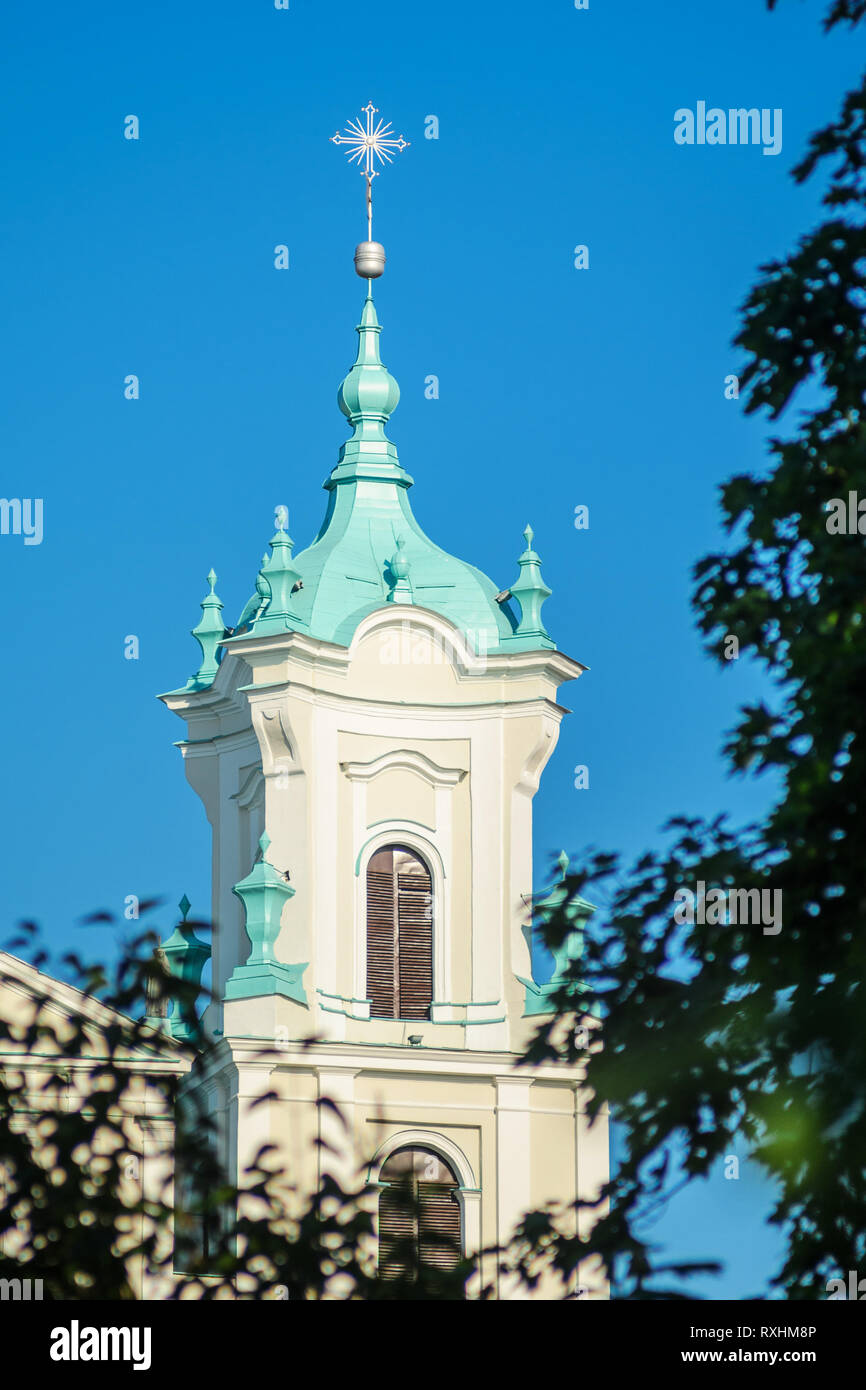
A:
(558, 387)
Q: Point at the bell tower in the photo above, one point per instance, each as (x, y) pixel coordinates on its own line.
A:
(367, 742)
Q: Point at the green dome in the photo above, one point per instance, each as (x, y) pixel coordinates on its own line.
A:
(370, 549)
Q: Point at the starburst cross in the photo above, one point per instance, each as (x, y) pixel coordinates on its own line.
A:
(375, 141)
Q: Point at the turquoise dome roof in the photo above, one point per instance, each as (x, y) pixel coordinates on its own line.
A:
(370, 549)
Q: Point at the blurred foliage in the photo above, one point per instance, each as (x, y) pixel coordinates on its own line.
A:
(73, 1209)
(715, 1031)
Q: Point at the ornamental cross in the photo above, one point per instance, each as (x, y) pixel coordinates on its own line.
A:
(366, 145)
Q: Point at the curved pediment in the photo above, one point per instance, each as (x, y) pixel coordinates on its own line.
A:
(409, 636)
(404, 760)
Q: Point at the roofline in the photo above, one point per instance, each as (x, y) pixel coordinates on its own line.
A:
(38, 984)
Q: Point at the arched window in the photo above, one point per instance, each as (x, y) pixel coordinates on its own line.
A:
(399, 934)
(419, 1220)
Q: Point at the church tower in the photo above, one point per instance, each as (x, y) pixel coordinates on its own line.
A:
(367, 742)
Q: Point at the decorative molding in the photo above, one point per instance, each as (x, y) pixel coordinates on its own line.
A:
(275, 742)
(535, 764)
(417, 1138)
(357, 1009)
(240, 740)
(251, 791)
(397, 834)
(408, 761)
(388, 820)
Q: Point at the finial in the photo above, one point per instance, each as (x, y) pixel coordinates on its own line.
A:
(564, 859)
(277, 582)
(264, 894)
(185, 956)
(366, 144)
(281, 517)
(263, 588)
(531, 591)
(368, 394)
(209, 632)
(257, 605)
(399, 565)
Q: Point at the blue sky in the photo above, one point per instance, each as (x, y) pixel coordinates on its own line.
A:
(558, 387)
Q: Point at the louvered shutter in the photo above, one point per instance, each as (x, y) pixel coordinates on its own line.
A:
(419, 1220)
(380, 943)
(439, 1225)
(415, 945)
(398, 1241)
(399, 935)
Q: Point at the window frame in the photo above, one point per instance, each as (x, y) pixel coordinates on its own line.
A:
(417, 1182)
(397, 951)
(398, 833)
(468, 1193)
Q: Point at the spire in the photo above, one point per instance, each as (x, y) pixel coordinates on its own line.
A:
(281, 581)
(208, 633)
(368, 394)
(186, 956)
(531, 591)
(370, 549)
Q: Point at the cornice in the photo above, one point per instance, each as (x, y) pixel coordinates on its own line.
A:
(397, 1058)
(299, 646)
(408, 709)
(203, 747)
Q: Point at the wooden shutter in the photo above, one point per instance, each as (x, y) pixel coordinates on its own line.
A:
(439, 1225)
(397, 1232)
(419, 1217)
(415, 945)
(381, 980)
(399, 935)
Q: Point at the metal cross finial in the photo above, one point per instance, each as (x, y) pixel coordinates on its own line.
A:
(368, 144)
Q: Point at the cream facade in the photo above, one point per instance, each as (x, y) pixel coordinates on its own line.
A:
(403, 737)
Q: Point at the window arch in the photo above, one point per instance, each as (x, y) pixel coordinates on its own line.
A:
(420, 1235)
(399, 934)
